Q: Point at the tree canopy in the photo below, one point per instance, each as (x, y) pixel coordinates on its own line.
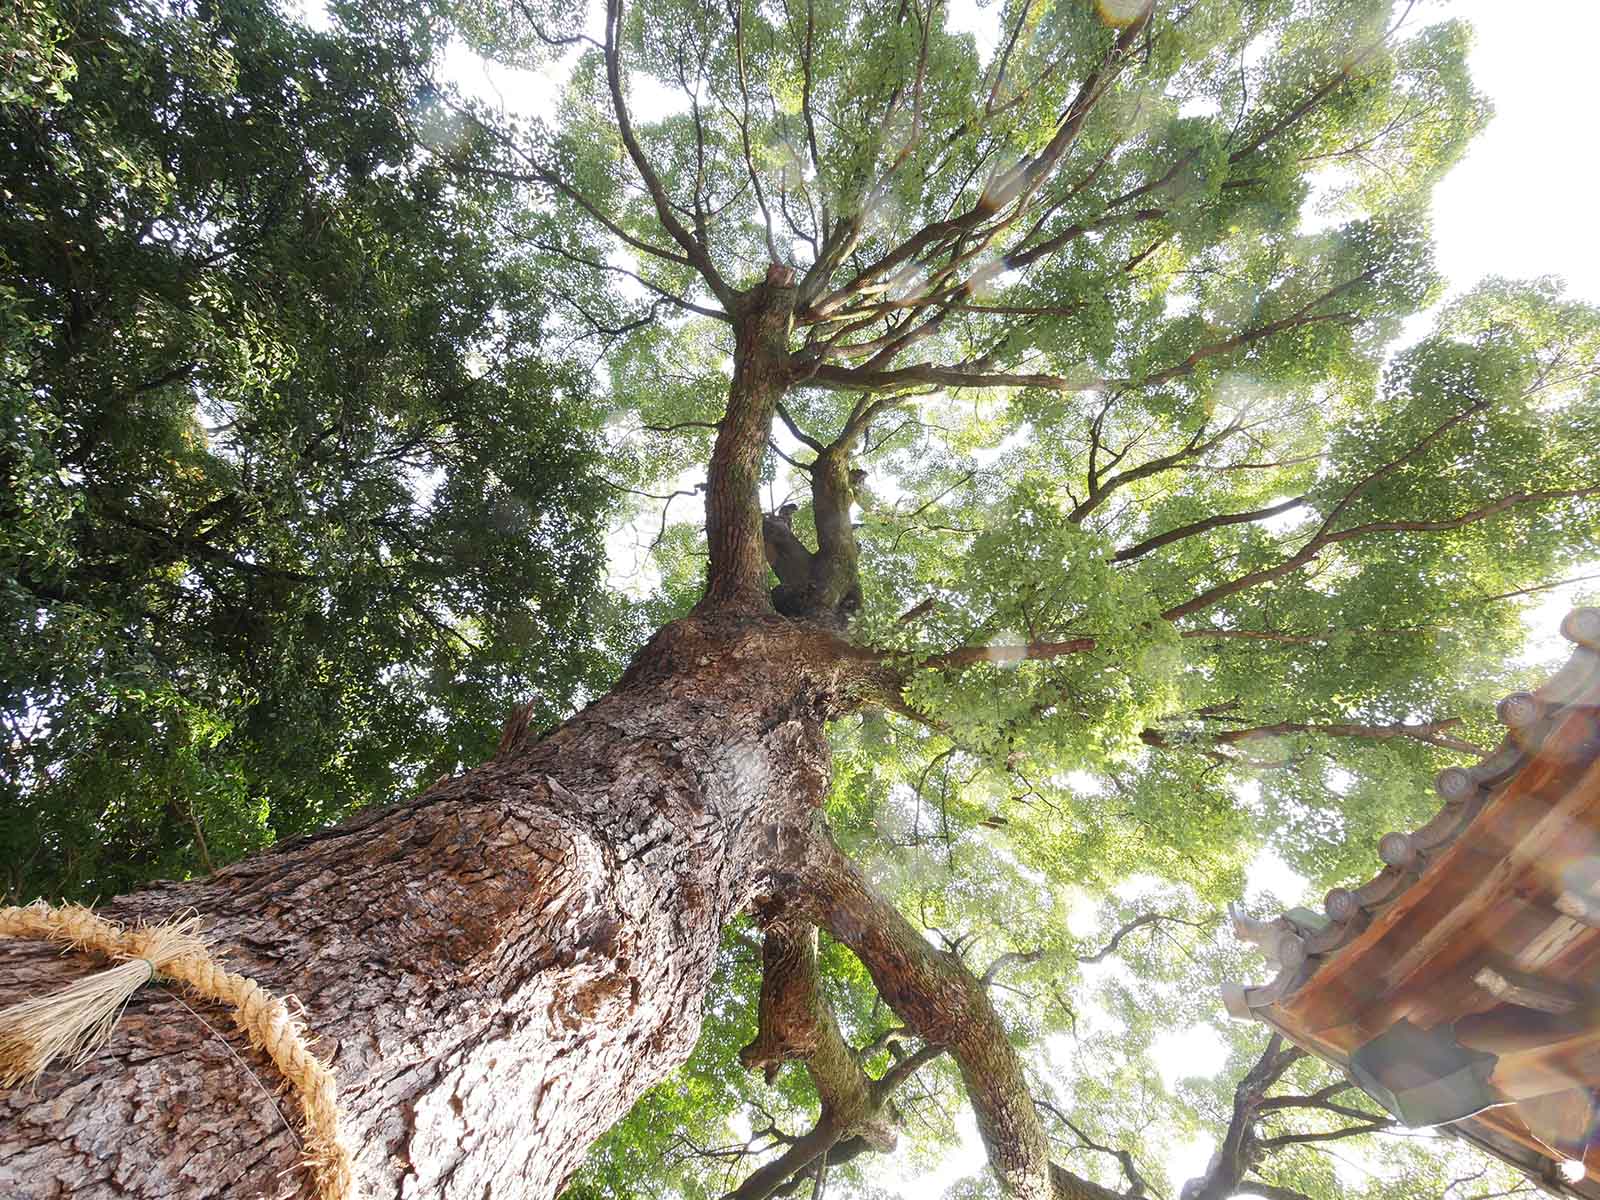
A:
(296, 503)
(1078, 365)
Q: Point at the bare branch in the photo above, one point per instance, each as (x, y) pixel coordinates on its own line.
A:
(1309, 552)
(1138, 922)
(800, 435)
(1432, 732)
(1136, 1182)
(695, 251)
(1333, 1135)
(968, 656)
(1140, 549)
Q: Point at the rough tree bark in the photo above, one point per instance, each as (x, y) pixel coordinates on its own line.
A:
(497, 968)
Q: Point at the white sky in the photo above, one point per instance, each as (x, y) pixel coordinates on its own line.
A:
(1523, 201)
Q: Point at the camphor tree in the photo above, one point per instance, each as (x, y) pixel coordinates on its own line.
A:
(1111, 501)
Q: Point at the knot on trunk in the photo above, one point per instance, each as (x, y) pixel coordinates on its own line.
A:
(824, 585)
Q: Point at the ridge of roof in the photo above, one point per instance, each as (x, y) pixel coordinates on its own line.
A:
(1301, 941)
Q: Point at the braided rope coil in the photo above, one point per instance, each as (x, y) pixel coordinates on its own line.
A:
(76, 1020)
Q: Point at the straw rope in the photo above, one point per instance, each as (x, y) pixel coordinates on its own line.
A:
(76, 1020)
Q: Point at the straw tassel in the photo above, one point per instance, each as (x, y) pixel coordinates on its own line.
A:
(74, 1021)
(71, 1022)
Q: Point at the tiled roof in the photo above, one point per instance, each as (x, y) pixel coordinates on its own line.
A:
(1500, 889)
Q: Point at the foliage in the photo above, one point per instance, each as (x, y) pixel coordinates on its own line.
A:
(1189, 546)
(296, 502)
(1185, 539)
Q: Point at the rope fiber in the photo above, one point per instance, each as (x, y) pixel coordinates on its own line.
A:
(75, 1021)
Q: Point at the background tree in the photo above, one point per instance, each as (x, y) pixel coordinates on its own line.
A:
(1121, 540)
(294, 498)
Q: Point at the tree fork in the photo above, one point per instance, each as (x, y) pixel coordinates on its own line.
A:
(823, 586)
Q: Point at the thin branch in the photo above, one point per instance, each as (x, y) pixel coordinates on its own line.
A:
(800, 435)
(1140, 549)
(968, 656)
(1138, 922)
(1433, 733)
(695, 250)
(1297, 1139)
(1309, 552)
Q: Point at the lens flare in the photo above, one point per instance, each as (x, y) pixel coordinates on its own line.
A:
(1121, 13)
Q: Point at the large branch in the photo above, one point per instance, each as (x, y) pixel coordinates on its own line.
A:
(801, 1154)
(975, 374)
(1432, 732)
(850, 379)
(1235, 1154)
(797, 1023)
(1005, 655)
(824, 585)
(946, 1005)
(1374, 1125)
(1325, 537)
(1217, 745)
(1140, 549)
(1243, 1146)
(1325, 533)
(736, 577)
(1282, 638)
(945, 262)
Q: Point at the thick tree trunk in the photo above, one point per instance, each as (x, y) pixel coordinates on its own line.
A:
(496, 968)
(761, 374)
